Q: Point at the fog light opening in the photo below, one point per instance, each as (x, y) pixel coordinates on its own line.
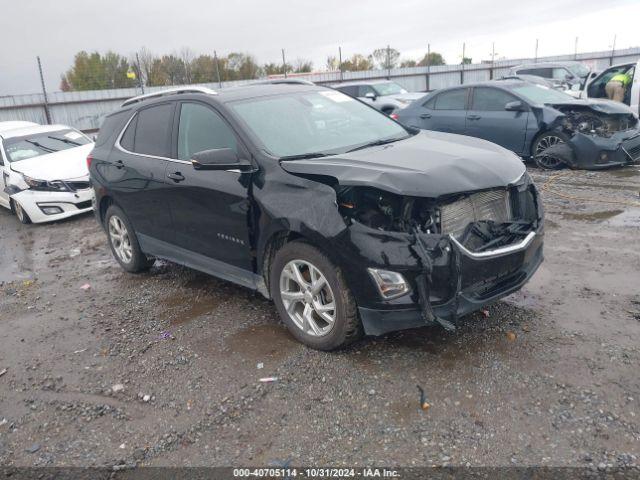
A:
(604, 157)
(51, 210)
(390, 284)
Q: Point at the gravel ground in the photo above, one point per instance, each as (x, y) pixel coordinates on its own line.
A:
(163, 368)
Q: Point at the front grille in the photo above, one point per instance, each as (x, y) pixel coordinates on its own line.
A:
(492, 205)
(79, 185)
(632, 147)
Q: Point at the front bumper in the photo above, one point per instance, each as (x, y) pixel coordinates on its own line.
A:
(67, 204)
(593, 152)
(478, 281)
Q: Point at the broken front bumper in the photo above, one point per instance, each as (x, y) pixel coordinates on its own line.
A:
(593, 152)
(460, 281)
(50, 206)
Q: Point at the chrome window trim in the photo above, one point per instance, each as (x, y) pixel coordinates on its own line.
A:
(498, 251)
(119, 146)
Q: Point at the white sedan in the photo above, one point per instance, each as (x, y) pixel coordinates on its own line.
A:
(44, 171)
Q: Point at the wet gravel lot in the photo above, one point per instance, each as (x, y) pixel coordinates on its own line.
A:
(163, 368)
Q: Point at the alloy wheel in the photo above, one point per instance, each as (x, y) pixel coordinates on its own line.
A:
(307, 298)
(119, 237)
(548, 161)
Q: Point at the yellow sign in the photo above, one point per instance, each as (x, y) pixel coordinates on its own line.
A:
(131, 75)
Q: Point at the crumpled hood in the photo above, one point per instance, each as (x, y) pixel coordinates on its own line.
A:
(63, 165)
(597, 105)
(429, 164)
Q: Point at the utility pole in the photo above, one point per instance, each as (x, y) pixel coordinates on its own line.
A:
(535, 58)
(575, 50)
(613, 50)
(388, 63)
(139, 74)
(215, 57)
(284, 64)
(493, 59)
(44, 93)
(340, 62)
(462, 65)
(428, 64)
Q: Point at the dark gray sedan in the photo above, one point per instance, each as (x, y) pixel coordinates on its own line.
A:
(534, 121)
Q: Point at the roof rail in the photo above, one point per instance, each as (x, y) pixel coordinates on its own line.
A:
(169, 91)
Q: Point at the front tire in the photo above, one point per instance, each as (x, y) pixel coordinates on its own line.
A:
(542, 143)
(20, 213)
(123, 241)
(313, 298)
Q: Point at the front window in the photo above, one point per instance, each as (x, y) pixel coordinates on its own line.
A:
(43, 143)
(315, 122)
(391, 88)
(542, 94)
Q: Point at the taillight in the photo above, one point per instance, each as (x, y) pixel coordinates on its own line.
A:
(89, 160)
(394, 116)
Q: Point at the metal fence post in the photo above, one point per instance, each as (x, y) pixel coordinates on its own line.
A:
(284, 64)
(47, 114)
(462, 66)
(139, 74)
(428, 62)
(215, 57)
(340, 62)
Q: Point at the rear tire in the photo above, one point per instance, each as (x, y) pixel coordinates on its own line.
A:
(543, 142)
(320, 310)
(123, 241)
(20, 213)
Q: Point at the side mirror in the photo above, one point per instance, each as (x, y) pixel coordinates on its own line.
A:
(219, 159)
(515, 106)
(370, 95)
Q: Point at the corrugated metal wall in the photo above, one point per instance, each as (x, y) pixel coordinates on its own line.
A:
(85, 110)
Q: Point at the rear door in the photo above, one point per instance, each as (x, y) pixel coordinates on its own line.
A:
(446, 112)
(488, 119)
(136, 171)
(210, 209)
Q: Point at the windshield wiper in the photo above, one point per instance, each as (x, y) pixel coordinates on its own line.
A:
(65, 140)
(376, 143)
(39, 145)
(304, 156)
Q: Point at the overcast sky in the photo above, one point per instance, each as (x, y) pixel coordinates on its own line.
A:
(56, 30)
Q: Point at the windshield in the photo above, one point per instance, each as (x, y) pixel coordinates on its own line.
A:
(542, 94)
(320, 122)
(384, 89)
(43, 143)
(579, 70)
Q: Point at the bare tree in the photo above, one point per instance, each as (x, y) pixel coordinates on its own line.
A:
(187, 56)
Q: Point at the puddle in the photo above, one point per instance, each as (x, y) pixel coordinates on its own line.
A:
(184, 308)
(591, 216)
(629, 218)
(625, 172)
(260, 343)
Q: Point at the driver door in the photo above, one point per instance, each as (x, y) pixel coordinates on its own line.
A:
(209, 208)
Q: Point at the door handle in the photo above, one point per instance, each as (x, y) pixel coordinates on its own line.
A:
(474, 117)
(176, 177)
(425, 115)
(119, 164)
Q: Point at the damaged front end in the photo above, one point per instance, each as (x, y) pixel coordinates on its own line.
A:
(599, 135)
(457, 252)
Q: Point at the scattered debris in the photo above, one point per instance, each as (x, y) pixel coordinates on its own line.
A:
(260, 365)
(123, 446)
(268, 379)
(3, 422)
(85, 287)
(511, 336)
(146, 398)
(118, 387)
(164, 335)
(33, 448)
(372, 392)
(424, 405)
(74, 252)
(80, 351)
(485, 313)
(27, 283)
(3, 371)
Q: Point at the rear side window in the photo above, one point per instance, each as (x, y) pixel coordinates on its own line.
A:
(430, 104)
(201, 128)
(540, 72)
(490, 99)
(109, 126)
(148, 133)
(452, 100)
(364, 89)
(351, 90)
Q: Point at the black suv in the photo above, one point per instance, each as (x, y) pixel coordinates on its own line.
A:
(349, 221)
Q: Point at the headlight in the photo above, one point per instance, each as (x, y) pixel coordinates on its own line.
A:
(45, 185)
(390, 284)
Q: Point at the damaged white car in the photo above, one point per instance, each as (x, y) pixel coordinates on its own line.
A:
(44, 175)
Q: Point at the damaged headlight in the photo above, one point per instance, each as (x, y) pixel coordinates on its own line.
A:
(45, 185)
(390, 284)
